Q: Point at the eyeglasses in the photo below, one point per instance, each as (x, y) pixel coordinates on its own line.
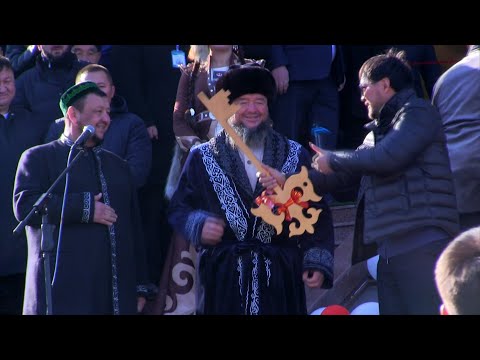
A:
(364, 87)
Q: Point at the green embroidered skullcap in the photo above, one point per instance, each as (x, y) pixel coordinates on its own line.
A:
(76, 92)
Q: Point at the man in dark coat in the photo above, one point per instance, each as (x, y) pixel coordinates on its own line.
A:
(100, 263)
(144, 75)
(308, 79)
(18, 132)
(39, 88)
(406, 202)
(22, 57)
(244, 266)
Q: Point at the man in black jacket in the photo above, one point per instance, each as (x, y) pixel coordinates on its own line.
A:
(144, 75)
(406, 194)
(406, 208)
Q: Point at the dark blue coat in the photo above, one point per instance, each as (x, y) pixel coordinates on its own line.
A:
(39, 89)
(144, 75)
(95, 262)
(17, 133)
(304, 62)
(404, 171)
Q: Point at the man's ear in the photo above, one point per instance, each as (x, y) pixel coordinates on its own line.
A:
(72, 115)
(385, 83)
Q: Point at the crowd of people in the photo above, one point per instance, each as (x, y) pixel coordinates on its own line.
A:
(155, 216)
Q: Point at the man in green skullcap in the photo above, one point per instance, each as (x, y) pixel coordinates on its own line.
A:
(100, 267)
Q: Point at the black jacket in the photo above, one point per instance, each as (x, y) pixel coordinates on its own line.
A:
(39, 89)
(17, 133)
(21, 57)
(144, 75)
(309, 62)
(404, 168)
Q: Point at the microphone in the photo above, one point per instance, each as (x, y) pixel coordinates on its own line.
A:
(87, 133)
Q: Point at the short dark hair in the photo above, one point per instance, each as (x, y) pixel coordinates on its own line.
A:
(392, 65)
(5, 63)
(91, 68)
(457, 274)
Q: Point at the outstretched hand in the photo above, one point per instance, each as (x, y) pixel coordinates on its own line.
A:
(320, 160)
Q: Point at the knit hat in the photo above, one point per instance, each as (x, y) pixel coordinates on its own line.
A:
(76, 92)
(249, 78)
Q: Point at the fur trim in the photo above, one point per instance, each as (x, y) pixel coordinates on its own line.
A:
(248, 79)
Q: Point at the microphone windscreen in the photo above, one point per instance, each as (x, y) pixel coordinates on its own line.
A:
(89, 128)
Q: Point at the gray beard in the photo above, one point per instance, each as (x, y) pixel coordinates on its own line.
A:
(253, 138)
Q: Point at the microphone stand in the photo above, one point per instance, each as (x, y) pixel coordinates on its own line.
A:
(47, 244)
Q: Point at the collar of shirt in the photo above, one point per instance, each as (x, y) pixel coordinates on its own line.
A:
(66, 140)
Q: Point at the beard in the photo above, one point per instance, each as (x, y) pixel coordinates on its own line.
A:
(96, 140)
(59, 60)
(93, 138)
(253, 138)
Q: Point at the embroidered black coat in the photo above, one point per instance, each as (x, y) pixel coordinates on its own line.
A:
(253, 270)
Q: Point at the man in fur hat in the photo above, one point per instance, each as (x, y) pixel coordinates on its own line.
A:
(244, 267)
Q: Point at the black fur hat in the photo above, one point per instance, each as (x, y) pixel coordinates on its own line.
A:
(249, 78)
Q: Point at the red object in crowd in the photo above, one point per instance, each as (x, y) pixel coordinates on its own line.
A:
(335, 310)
